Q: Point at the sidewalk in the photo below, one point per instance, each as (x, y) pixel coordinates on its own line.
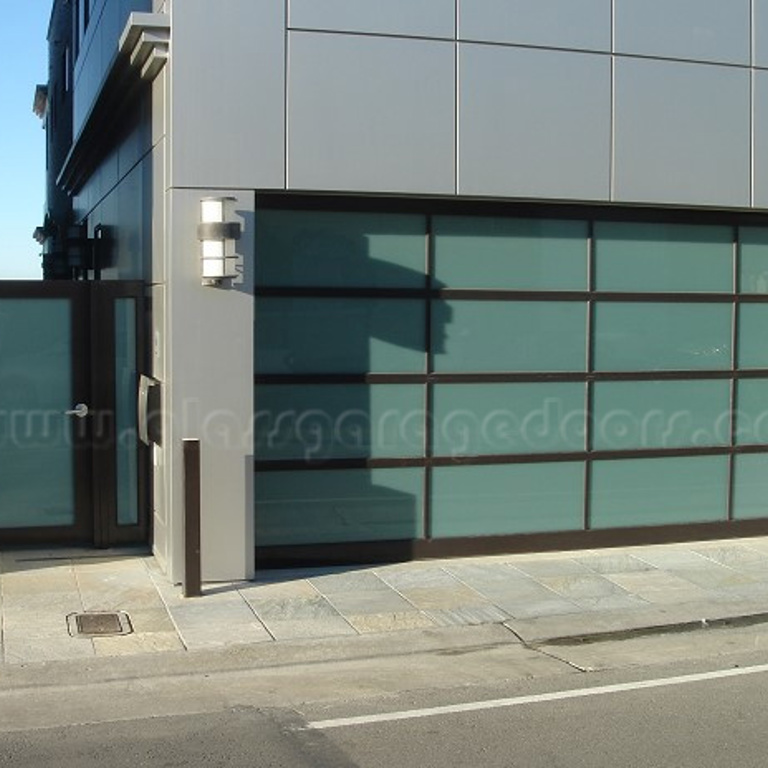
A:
(537, 597)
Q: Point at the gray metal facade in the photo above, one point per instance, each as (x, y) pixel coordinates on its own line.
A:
(624, 101)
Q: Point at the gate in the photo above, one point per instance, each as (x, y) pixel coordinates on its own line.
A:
(72, 469)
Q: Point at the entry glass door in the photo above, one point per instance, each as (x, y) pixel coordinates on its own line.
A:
(44, 456)
(71, 467)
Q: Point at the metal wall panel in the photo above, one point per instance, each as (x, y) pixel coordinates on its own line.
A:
(760, 33)
(760, 157)
(227, 104)
(371, 113)
(703, 30)
(582, 24)
(533, 123)
(425, 18)
(682, 133)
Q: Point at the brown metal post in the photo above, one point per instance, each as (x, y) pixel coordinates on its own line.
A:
(192, 586)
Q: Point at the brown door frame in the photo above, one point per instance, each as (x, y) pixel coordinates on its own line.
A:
(92, 334)
(106, 531)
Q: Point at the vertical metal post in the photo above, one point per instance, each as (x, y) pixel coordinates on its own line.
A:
(192, 586)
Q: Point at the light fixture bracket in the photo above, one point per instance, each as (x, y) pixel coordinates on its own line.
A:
(219, 230)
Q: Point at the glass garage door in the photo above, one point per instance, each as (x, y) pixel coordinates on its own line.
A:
(439, 378)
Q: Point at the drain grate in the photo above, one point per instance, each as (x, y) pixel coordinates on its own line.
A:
(99, 624)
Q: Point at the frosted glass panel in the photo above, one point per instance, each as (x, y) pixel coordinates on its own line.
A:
(477, 419)
(340, 335)
(36, 438)
(753, 336)
(753, 262)
(498, 500)
(522, 254)
(750, 486)
(663, 257)
(339, 421)
(752, 412)
(662, 336)
(659, 491)
(661, 414)
(344, 505)
(340, 249)
(509, 336)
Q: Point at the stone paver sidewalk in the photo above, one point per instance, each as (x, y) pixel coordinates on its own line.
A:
(537, 597)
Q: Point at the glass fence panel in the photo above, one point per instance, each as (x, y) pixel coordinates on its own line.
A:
(37, 474)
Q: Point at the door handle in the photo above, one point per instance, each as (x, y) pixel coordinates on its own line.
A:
(80, 410)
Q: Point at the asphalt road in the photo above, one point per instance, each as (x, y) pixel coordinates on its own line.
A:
(709, 723)
(706, 721)
(651, 704)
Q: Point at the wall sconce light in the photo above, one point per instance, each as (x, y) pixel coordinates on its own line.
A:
(217, 235)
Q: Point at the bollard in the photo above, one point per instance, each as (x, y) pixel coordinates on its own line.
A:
(192, 586)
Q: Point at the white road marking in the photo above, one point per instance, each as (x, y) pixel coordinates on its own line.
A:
(476, 706)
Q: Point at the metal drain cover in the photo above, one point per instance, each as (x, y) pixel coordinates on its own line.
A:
(99, 624)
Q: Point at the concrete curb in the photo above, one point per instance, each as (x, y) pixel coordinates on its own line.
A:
(624, 629)
(233, 658)
(447, 641)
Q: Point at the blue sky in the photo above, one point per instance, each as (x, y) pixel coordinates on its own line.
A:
(24, 51)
